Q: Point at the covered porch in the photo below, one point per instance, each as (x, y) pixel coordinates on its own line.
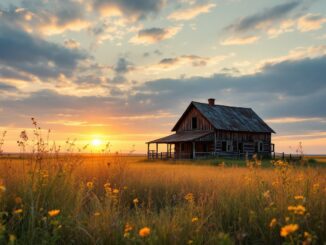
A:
(183, 145)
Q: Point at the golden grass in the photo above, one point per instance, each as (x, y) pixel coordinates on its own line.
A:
(127, 200)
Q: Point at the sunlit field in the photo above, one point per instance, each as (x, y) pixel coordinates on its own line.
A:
(98, 199)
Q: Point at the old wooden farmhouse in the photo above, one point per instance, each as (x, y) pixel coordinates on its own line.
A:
(218, 130)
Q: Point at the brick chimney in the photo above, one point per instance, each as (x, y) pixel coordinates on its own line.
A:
(211, 101)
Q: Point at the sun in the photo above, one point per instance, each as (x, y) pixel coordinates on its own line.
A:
(96, 142)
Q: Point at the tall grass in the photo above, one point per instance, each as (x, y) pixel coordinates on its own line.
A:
(48, 198)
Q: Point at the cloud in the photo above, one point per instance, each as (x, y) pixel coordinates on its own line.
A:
(6, 87)
(239, 40)
(24, 52)
(263, 19)
(47, 18)
(310, 22)
(155, 52)
(154, 35)
(130, 9)
(193, 59)
(192, 12)
(273, 22)
(121, 69)
(183, 61)
(70, 43)
(123, 66)
(295, 120)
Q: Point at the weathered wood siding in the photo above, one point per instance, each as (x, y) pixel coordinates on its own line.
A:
(202, 123)
(247, 139)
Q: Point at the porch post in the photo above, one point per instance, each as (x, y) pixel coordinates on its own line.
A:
(148, 144)
(179, 150)
(156, 150)
(194, 150)
(215, 143)
(170, 150)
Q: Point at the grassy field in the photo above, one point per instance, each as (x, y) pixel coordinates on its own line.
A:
(129, 200)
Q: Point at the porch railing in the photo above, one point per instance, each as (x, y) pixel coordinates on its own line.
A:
(151, 155)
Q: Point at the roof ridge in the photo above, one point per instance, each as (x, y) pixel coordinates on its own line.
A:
(222, 105)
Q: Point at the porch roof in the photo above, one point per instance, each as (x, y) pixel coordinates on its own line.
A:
(182, 137)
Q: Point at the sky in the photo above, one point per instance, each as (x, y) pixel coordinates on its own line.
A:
(123, 71)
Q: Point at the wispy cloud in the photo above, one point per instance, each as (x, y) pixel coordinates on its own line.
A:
(129, 9)
(191, 12)
(311, 22)
(263, 19)
(295, 120)
(239, 40)
(154, 35)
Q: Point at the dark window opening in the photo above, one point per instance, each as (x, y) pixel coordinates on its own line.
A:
(182, 147)
(240, 145)
(194, 123)
(260, 146)
(223, 145)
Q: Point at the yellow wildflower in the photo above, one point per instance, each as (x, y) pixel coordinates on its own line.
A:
(54, 212)
(299, 197)
(267, 194)
(308, 237)
(306, 234)
(297, 209)
(144, 232)
(128, 228)
(18, 211)
(115, 191)
(90, 185)
(194, 219)
(190, 242)
(125, 187)
(288, 229)
(189, 197)
(272, 223)
(135, 201)
(2, 188)
(97, 214)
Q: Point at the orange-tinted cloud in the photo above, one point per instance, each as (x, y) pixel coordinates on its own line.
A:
(192, 12)
(240, 40)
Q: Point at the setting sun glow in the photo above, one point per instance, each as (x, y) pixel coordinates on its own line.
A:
(96, 142)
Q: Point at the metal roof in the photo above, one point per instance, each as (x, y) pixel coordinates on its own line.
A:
(182, 137)
(230, 118)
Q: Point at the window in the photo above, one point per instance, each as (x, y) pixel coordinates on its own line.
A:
(194, 123)
(182, 147)
(223, 145)
(260, 146)
(227, 146)
(240, 146)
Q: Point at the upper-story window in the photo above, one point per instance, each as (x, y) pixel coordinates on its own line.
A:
(194, 123)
